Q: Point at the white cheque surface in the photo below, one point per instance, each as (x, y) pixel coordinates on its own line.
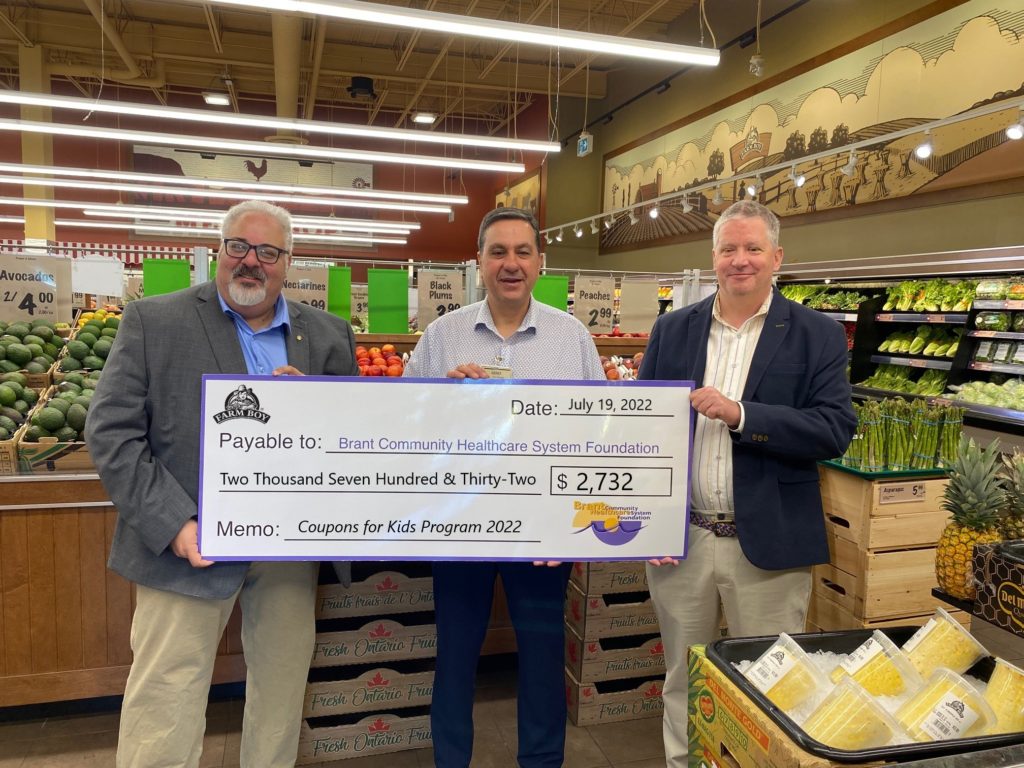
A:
(316, 468)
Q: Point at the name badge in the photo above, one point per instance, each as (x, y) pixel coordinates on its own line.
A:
(498, 371)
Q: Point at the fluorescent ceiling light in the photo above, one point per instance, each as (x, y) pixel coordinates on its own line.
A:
(256, 148)
(298, 223)
(272, 123)
(112, 209)
(217, 195)
(215, 233)
(424, 118)
(494, 29)
(299, 189)
(216, 99)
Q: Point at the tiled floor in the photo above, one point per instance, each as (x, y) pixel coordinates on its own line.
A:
(89, 740)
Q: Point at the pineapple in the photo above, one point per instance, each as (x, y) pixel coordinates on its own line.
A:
(974, 497)
(1012, 523)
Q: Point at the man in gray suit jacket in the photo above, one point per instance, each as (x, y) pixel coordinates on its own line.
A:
(143, 433)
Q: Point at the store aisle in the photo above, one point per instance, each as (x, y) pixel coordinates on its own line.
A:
(88, 741)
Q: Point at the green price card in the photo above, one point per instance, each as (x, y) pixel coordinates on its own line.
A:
(388, 300)
(339, 292)
(553, 290)
(161, 276)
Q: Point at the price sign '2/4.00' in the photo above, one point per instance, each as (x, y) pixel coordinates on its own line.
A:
(493, 469)
(36, 287)
(593, 302)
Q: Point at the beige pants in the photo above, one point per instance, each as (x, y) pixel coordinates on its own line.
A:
(688, 599)
(174, 639)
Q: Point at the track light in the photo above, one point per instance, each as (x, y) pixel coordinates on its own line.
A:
(547, 238)
(718, 199)
(608, 222)
(755, 186)
(797, 179)
(686, 205)
(1016, 131)
(633, 218)
(593, 227)
(558, 235)
(924, 149)
(653, 213)
(578, 231)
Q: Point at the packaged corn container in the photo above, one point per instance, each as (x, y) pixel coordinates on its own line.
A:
(786, 675)
(948, 707)
(880, 667)
(942, 642)
(850, 718)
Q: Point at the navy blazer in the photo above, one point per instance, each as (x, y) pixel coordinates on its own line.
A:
(797, 411)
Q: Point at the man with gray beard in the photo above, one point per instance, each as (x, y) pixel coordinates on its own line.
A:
(143, 434)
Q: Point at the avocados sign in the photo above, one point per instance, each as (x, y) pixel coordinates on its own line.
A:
(35, 286)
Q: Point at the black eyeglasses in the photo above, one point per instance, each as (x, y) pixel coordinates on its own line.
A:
(237, 248)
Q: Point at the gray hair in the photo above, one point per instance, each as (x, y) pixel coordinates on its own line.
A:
(501, 214)
(748, 209)
(275, 212)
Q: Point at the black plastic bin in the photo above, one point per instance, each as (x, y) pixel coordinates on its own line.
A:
(729, 651)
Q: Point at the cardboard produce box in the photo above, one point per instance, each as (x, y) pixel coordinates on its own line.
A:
(371, 691)
(622, 613)
(1000, 580)
(613, 658)
(601, 578)
(386, 592)
(614, 700)
(373, 735)
(375, 642)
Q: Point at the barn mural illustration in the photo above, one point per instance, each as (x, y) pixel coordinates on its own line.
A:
(964, 58)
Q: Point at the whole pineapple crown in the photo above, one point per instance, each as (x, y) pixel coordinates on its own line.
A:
(976, 493)
(1014, 483)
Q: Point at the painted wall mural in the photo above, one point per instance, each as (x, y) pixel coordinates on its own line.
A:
(955, 61)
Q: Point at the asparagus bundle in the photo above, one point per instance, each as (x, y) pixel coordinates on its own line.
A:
(895, 435)
(925, 424)
(898, 449)
(952, 430)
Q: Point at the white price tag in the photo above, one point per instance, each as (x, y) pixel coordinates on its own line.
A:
(35, 287)
(361, 304)
(593, 302)
(438, 292)
(902, 493)
(307, 284)
(638, 305)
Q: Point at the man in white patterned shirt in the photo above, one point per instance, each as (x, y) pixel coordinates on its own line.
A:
(773, 399)
(508, 335)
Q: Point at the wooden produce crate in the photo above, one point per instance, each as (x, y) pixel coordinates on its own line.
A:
(602, 578)
(387, 592)
(9, 452)
(613, 658)
(370, 691)
(372, 735)
(827, 615)
(612, 701)
(883, 514)
(880, 584)
(622, 613)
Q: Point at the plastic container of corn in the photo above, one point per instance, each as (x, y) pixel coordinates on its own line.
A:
(942, 642)
(1005, 694)
(850, 718)
(880, 667)
(948, 707)
(786, 675)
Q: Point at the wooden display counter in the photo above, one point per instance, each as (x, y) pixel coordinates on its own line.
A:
(405, 342)
(65, 619)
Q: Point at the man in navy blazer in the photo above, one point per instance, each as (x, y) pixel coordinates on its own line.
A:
(771, 399)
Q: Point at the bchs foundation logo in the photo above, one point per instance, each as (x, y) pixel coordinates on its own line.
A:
(242, 404)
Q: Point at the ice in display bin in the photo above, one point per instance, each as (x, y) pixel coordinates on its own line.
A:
(948, 707)
(942, 642)
(786, 675)
(849, 718)
(1005, 694)
(880, 667)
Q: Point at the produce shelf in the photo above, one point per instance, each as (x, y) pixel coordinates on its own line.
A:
(997, 367)
(843, 317)
(998, 304)
(996, 334)
(975, 414)
(930, 317)
(884, 475)
(916, 362)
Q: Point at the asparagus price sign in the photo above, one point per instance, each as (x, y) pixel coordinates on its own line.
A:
(497, 469)
(35, 287)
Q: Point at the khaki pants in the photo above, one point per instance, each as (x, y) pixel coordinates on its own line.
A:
(689, 598)
(174, 640)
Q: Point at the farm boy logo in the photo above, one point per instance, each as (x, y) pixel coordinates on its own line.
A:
(242, 404)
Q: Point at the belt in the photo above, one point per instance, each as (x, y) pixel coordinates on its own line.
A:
(709, 522)
(715, 517)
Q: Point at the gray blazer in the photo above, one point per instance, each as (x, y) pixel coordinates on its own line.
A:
(143, 426)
